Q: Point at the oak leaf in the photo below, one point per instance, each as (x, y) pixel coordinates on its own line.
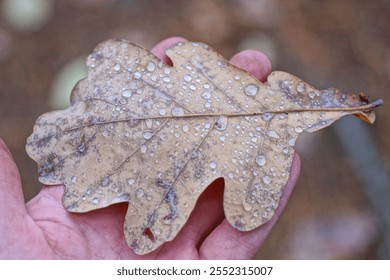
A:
(155, 136)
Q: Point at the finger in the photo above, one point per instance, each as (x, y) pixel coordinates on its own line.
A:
(160, 48)
(254, 62)
(208, 213)
(11, 195)
(206, 216)
(225, 242)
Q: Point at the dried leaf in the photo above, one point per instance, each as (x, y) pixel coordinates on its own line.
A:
(155, 136)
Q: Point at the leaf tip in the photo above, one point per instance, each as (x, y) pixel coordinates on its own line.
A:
(377, 103)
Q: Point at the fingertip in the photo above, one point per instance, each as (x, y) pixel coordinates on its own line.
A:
(159, 49)
(4, 151)
(8, 169)
(254, 62)
(54, 191)
(11, 197)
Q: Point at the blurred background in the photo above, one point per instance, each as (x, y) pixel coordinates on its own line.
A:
(340, 208)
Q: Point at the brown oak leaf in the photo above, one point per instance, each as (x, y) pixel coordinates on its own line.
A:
(155, 136)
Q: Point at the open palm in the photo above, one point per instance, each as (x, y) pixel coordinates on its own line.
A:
(43, 229)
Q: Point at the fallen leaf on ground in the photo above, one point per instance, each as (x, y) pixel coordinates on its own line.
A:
(155, 136)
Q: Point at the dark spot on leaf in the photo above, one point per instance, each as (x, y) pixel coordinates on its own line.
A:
(171, 200)
(163, 183)
(364, 98)
(48, 165)
(149, 234)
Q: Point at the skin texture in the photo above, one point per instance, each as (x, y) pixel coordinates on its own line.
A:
(43, 229)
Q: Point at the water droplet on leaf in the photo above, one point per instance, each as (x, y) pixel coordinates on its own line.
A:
(261, 160)
(151, 66)
(126, 93)
(206, 95)
(177, 112)
(251, 89)
(222, 123)
(117, 67)
(273, 134)
(266, 179)
(213, 165)
(147, 135)
(139, 192)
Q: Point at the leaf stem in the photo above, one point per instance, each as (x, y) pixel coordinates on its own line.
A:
(364, 108)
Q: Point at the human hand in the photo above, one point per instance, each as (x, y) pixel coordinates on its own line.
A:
(44, 229)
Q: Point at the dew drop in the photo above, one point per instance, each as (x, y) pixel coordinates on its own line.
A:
(286, 150)
(105, 182)
(222, 123)
(162, 112)
(237, 77)
(247, 206)
(147, 135)
(261, 160)
(81, 148)
(187, 78)
(291, 142)
(192, 87)
(95, 200)
(251, 89)
(213, 165)
(131, 181)
(207, 105)
(149, 123)
(273, 134)
(126, 93)
(186, 128)
(298, 129)
(266, 179)
(231, 175)
(167, 70)
(151, 66)
(206, 95)
(166, 79)
(117, 67)
(206, 86)
(143, 148)
(139, 192)
(207, 125)
(312, 94)
(157, 231)
(177, 112)
(267, 116)
(137, 75)
(73, 179)
(301, 87)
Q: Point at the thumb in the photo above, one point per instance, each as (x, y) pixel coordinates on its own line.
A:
(11, 196)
